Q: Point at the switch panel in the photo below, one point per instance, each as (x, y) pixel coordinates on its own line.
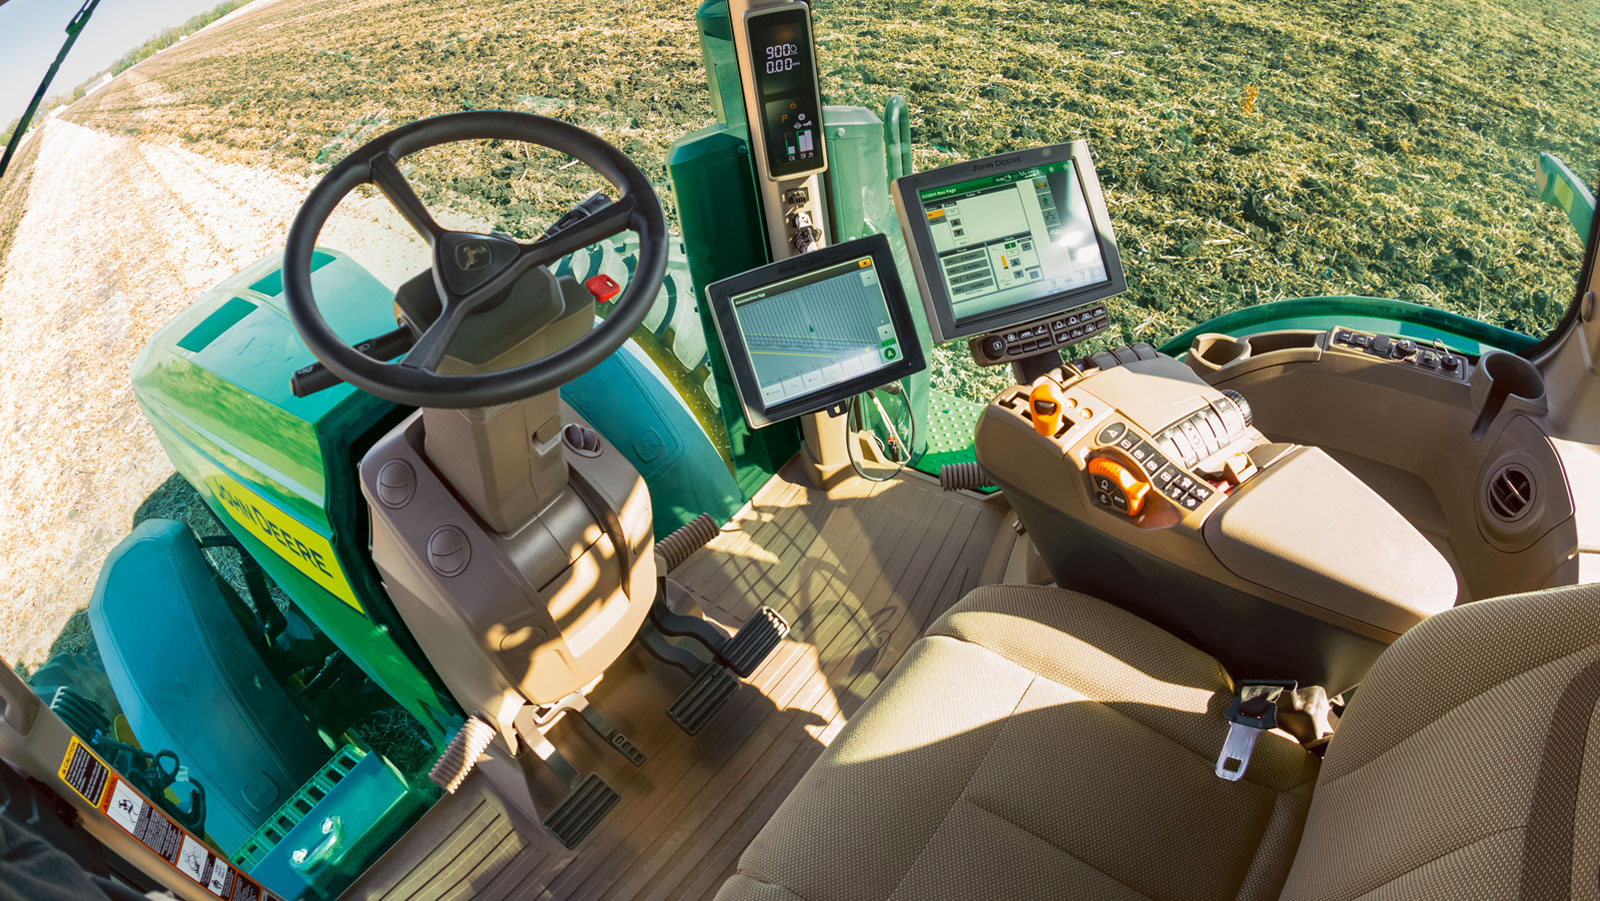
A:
(1434, 358)
(1037, 337)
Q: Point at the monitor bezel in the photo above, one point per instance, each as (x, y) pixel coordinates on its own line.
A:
(925, 261)
(756, 115)
(720, 296)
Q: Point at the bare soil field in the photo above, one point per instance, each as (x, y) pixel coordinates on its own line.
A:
(93, 271)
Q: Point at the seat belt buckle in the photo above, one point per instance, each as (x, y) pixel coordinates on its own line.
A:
(1254, 710)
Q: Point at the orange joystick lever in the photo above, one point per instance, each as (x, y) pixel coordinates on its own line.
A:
(1116, 487)
(1047, 403)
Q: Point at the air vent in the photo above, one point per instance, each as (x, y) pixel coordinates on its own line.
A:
(581, 440)
(1511, 491)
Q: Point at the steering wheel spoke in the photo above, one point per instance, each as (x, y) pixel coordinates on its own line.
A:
(431, 347)
(470, 271)
(613, 218)
(394, 186)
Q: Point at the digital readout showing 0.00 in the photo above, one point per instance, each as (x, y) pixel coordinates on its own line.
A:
(782, 58)
(788, 108)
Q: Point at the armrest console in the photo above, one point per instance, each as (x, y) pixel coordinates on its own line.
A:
(1309, 528)
(1144, 486)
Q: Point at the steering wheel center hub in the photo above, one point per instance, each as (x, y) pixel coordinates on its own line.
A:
(474, 272)
(467, 261)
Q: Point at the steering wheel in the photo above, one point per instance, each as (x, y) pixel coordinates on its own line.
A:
(473, 271)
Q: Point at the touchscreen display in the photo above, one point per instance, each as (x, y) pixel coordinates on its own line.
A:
(814, 331)
(1010, 239)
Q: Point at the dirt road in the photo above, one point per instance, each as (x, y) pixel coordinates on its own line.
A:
(118, 235)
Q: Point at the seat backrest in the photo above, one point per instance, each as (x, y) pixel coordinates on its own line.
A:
(1468, 764)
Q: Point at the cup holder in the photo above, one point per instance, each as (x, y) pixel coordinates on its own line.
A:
(1507, 378)
(1214, 351)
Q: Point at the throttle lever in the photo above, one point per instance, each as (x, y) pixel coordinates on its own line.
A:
(385, 347)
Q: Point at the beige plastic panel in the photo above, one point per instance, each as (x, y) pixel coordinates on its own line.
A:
(1151, 395)
(1311, 529)
(535, 613)
(1408, 434)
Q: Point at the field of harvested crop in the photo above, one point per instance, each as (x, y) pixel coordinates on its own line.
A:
(1251, 150)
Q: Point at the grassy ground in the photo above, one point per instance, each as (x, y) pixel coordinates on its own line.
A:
(1385, 149)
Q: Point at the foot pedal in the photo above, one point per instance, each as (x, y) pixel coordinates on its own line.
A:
(702, 698)
(581, 810)
(753, 642)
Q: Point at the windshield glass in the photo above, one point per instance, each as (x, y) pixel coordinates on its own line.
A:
(1433, 152)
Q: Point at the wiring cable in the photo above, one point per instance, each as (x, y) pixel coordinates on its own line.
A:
(900, 433)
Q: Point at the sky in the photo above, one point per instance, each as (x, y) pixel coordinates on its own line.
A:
(32, 31)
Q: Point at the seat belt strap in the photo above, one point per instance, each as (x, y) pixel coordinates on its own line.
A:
(1254, 710)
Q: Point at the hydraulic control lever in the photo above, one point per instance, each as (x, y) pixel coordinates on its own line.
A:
(316, 377)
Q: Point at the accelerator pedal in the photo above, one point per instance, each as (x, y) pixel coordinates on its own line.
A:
(581, 810)
(746, 650)
(702, 697)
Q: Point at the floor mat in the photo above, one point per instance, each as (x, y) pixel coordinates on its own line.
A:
(859, 572)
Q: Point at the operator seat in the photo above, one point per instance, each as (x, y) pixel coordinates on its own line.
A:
(1039, 743)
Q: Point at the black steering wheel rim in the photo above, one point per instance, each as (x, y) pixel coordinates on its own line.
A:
(636, 209)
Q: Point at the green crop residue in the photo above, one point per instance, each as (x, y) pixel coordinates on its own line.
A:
(1251, 151)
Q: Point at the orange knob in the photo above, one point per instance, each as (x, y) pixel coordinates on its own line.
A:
(1047, 404)
(1117, 487)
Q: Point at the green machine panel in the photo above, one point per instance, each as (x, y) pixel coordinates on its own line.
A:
(279, 470)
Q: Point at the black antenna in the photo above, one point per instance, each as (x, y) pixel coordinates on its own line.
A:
(73, 28)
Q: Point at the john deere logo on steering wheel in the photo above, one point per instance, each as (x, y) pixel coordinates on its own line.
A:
(473, 255)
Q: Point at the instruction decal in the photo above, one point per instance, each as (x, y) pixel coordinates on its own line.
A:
(85, 772)
(98, 784)
(157, 831)
(303, 548)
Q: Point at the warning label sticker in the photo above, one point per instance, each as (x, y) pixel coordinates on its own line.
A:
(290, 539)
(84, 772)
(157, 831)
(89, 776)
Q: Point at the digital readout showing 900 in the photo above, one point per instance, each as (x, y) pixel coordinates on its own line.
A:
(788, 109)
(782, 58)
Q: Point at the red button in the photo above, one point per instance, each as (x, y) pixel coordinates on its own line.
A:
(603, 287)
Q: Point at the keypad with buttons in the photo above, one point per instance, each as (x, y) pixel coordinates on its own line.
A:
(1435, 358)
(1038, 337)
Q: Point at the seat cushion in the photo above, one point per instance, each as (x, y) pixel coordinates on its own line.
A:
(1468, 764)
(1036, 743)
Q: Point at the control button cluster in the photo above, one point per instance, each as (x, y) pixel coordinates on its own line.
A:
(1185, 490)
(1046, 334)
(1404, 350)
(1154, 470)
(1205, 431)
(1116, 487)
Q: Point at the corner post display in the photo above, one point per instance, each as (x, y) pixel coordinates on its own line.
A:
(783, 104)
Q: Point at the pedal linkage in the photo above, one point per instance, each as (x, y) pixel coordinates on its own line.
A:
(731, 658)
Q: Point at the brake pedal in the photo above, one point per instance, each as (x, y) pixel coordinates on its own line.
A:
(746, 650)
(581, 811)
(702, 697)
